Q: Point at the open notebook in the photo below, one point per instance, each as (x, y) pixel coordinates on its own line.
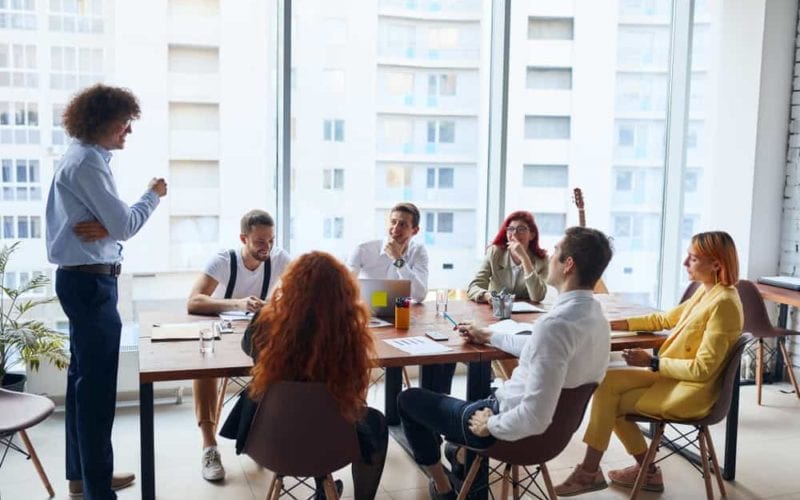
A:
(179, 331)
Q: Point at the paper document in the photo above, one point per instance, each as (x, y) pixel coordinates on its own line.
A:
(178, 331)
(622, 333)
(511, 327)
(378, 323)
(524, 307)
(417, 345)
(235, 316)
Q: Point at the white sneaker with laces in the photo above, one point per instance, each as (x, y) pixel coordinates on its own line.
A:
(212, 465)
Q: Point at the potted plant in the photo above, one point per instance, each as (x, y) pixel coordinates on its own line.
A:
(29, 339)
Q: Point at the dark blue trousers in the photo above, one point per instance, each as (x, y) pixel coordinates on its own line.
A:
(90, 303)
(427, 416)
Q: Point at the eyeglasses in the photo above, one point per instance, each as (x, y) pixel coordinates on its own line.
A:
(517, 229)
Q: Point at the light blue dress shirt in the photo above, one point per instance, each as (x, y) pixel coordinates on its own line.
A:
(83, 189)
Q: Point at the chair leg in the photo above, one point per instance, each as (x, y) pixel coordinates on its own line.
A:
(759, 369)
(713, 454)
(548, 483)
(275, 486)
(330, 488)
(787, 361)
(648, 459)
(220, 401)
(36, 463)
(515, 481)
(406, 379)
(704, 463)
(506, 479)
(473, 471)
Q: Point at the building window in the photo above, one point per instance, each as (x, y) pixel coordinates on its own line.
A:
(547, 176)
(438, 222)
(71, 67)
(18, 14)
(551, 224)
(66, 16)
(443, 132)
(442, 84)
(400, 83)
(444, 176)
(333, 228)
(442, 39)
(547, 127)
(623, 180)
(333, 130)
(333, 178)
(19, 122)
(398, 176)
(549, 78)
(550, 28)
(690, 181)
(20, 180)
(18, 66)
(27, 227)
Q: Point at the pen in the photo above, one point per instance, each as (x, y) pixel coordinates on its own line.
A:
(451, 320)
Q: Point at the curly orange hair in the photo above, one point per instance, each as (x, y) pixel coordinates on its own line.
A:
(314, 329)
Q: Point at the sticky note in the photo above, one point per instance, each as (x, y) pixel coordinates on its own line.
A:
(379, 299)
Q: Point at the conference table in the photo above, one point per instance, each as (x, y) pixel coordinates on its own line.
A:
(181, 360)
(784, 298)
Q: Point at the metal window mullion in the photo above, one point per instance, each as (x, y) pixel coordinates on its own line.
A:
(283, 163)
(675, 161)
(498, 116)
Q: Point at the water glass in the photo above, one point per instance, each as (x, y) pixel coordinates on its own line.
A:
(441, 301)
(207, 338)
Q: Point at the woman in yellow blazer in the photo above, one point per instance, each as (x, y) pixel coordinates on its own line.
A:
(514, 261)
(681, 382)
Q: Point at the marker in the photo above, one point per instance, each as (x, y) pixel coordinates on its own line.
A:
(451, 320)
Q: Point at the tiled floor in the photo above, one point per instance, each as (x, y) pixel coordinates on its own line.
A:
(769, 447)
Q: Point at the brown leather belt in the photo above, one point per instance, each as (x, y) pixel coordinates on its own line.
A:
(107, 269)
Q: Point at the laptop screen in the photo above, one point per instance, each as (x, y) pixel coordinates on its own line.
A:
(380, 294)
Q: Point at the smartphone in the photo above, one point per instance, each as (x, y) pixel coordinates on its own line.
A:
(437, 335)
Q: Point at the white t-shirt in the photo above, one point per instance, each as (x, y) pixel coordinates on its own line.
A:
(247, 282)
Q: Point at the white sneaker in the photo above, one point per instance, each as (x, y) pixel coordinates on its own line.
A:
(212, 465)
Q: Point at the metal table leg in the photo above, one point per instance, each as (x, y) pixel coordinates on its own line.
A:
(393, 384)
(146, 441)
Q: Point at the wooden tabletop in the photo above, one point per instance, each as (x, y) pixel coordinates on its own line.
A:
(181, 360)
(779, 295)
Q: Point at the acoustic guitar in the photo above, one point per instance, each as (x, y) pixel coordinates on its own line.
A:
(577, 198)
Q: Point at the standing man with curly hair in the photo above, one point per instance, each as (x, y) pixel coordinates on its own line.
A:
(86, 219)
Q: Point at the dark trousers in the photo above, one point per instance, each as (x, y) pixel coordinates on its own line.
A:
(438, 378)
(427, 415)
(90, 303)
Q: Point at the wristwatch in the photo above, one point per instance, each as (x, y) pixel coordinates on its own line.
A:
(398, 263)
(654, 363)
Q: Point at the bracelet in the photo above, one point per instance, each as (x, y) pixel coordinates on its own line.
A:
(654, 363)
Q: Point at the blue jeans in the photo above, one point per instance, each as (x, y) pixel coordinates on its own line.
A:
(427, 415)
(90, 303)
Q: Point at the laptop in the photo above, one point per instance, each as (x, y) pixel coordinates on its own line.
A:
(789, 282)
(380, 294)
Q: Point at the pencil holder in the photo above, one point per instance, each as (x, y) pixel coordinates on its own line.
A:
(402, 314)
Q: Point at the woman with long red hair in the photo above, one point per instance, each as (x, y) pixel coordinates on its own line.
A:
(514, 261)
(314, 329)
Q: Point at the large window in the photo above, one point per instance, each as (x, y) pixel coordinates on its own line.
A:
(592, 125)
(404, 126)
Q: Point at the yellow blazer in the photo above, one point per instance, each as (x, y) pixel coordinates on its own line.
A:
(495, 274)
(704, 329)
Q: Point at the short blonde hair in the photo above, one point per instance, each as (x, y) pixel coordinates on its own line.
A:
(719, 245)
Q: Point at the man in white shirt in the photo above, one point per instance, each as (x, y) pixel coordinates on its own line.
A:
(569, 347)
(233, 280)
(396, 256)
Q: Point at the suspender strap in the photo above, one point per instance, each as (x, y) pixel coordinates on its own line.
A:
(232, 278)
(267, 274)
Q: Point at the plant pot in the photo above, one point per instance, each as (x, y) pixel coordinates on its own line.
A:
(14, 382)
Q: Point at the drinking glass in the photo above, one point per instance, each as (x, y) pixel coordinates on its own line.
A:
(441, 302)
